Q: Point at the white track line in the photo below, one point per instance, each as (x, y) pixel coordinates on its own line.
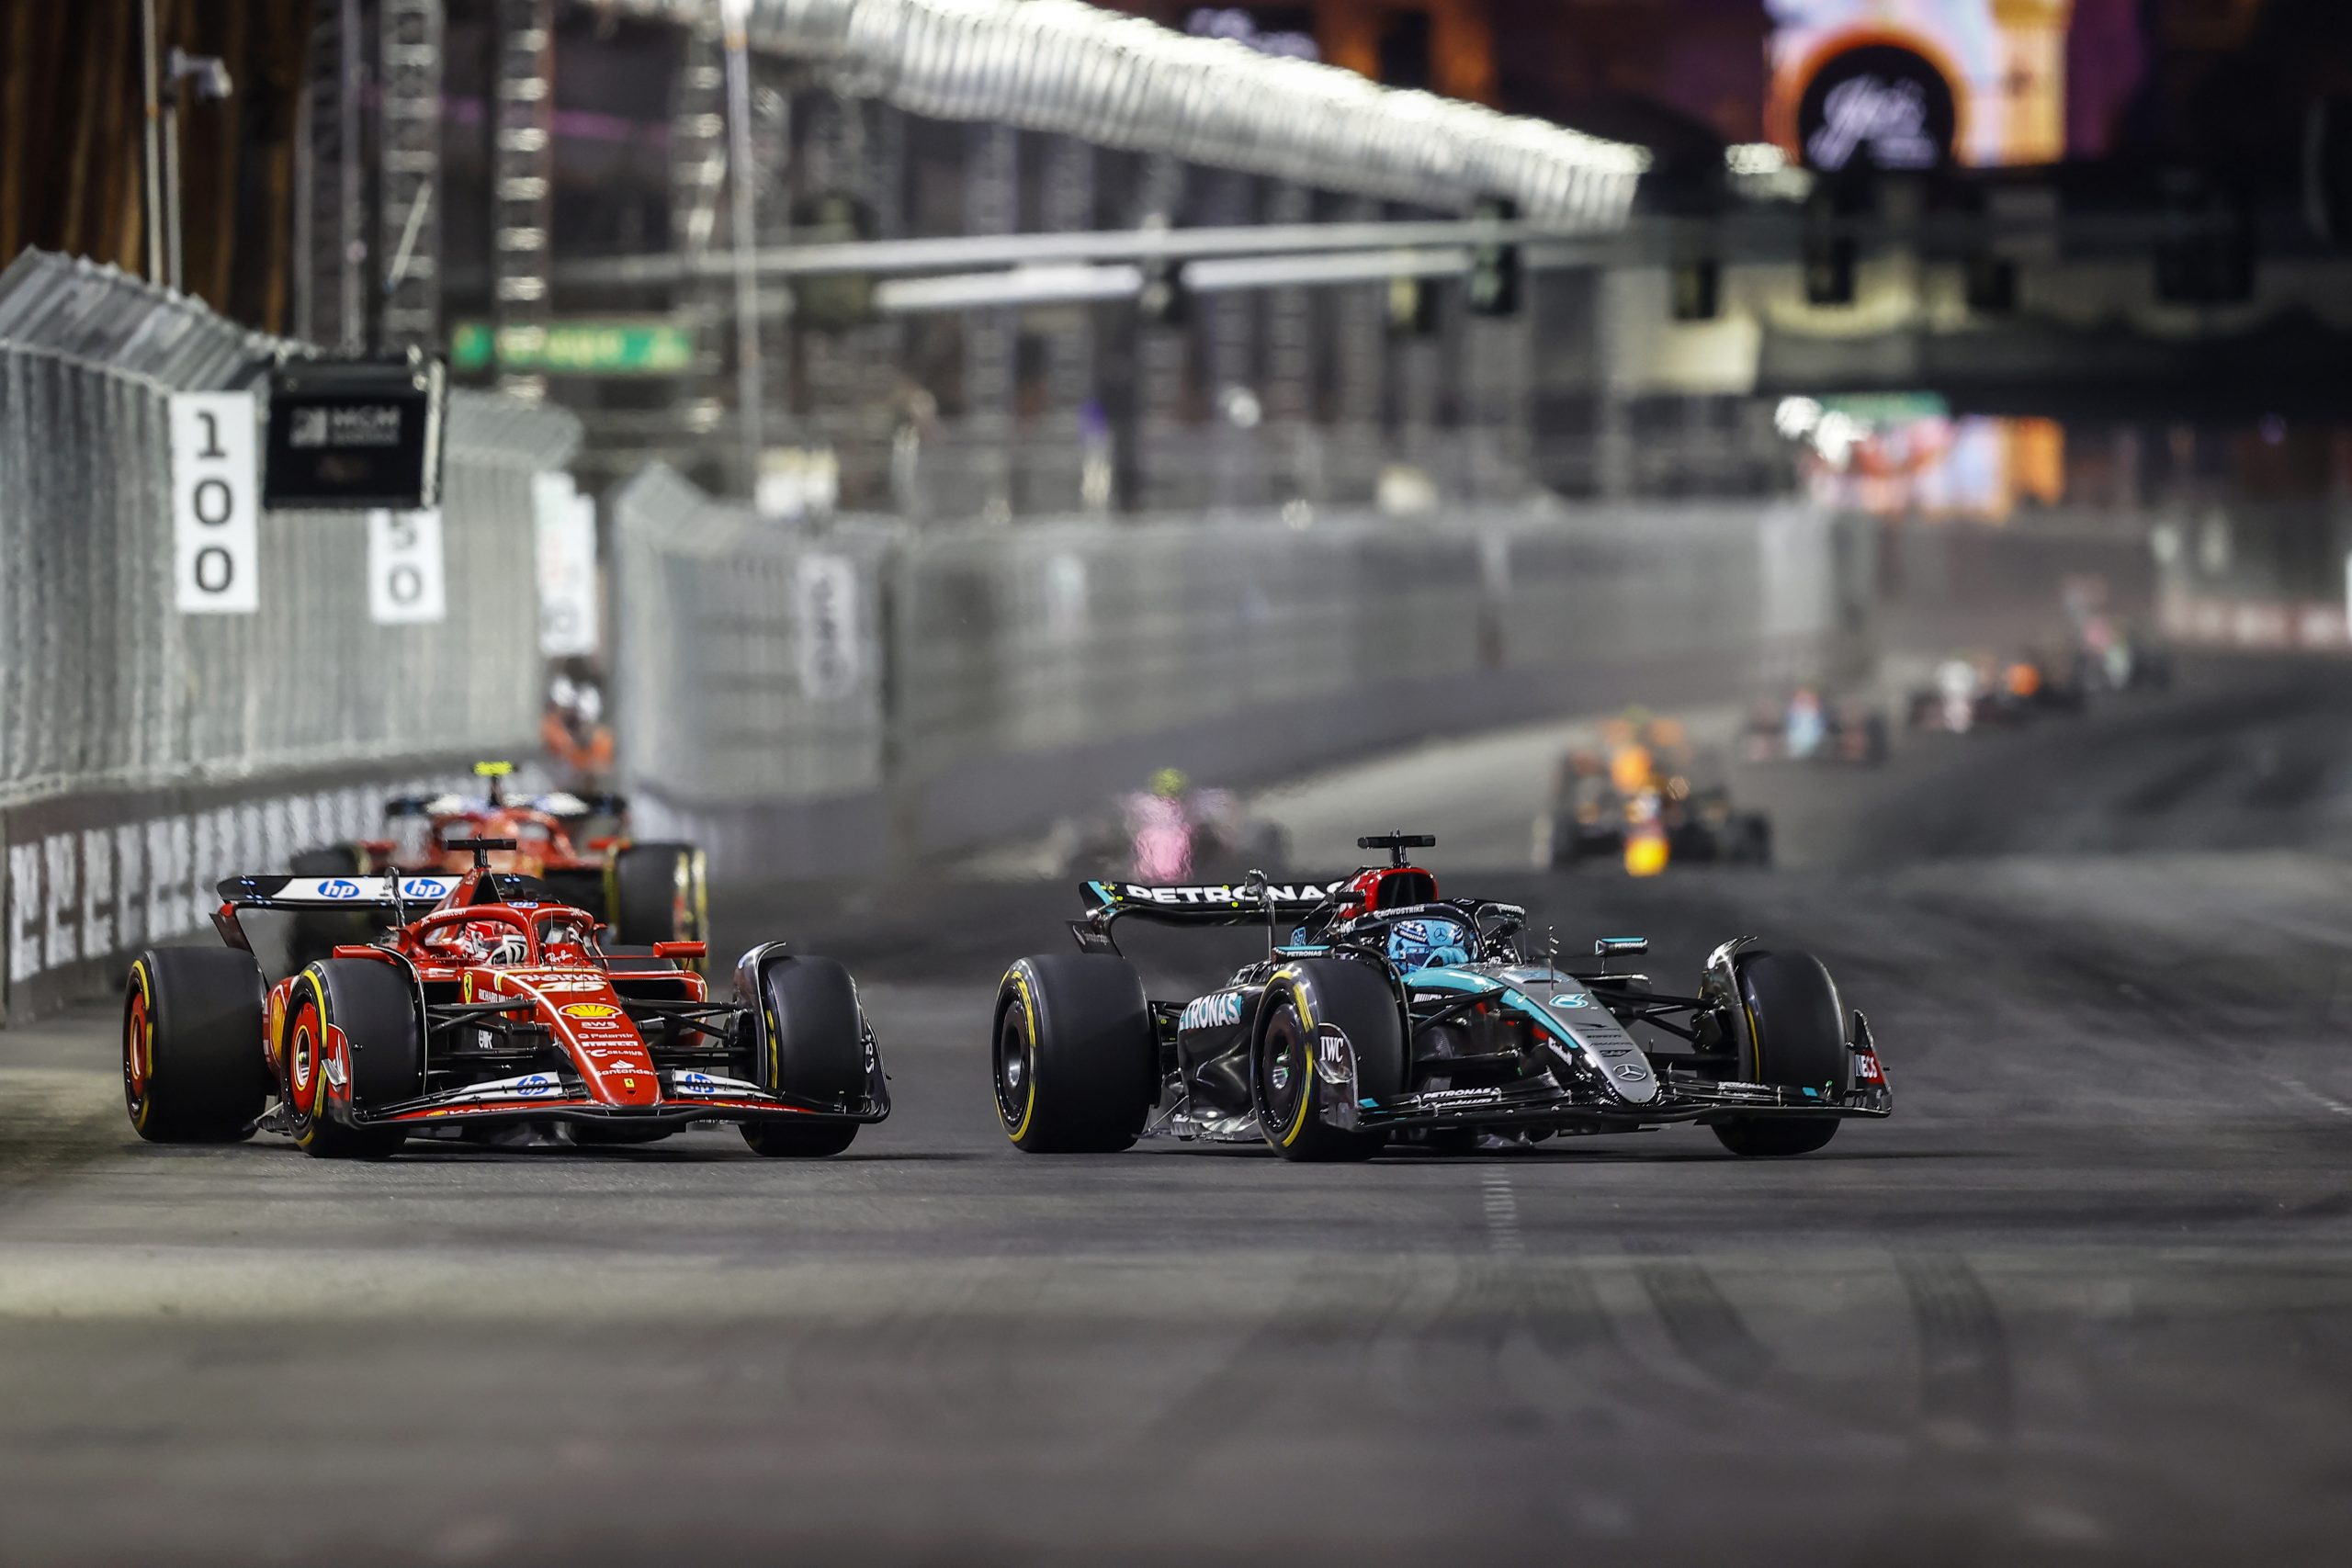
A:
(2333, 1105)
(1502, 1214)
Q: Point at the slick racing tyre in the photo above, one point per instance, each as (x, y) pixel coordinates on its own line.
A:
(1301, 999)
(1791, 1030)
(654, 893)
(1076, 1060)
(192, 1065)
(356, 1017)
(809, 1040)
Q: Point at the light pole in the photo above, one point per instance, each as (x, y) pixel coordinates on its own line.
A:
(160, 85)
(741, 175)
(150, 141)
(209, 79)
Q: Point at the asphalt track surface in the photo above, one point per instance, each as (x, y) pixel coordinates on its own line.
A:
(2088, 1299)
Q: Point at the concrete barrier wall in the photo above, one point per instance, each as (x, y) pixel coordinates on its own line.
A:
(969, 683)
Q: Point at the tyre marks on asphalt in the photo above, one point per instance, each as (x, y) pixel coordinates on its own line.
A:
(1952, 1503)
(1319, 1335)
(1966, 1398)
(1705, 1328)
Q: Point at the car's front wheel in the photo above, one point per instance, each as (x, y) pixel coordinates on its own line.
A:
(1356, 999)
(1788, 1024)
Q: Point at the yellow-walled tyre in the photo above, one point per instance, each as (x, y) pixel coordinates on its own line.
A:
(357, 1016)
(193, 1071)
(1075, 1060)
(1300, 999)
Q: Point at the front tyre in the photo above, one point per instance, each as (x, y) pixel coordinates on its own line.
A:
(356, 1018)
(1300, 1001)
(1768, 1137)
(1075, 1057)
(1789, 1026)
(783, 1140)
(192, 1062)
(809, 1040)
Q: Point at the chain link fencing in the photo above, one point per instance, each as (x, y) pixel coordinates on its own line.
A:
(116, 711)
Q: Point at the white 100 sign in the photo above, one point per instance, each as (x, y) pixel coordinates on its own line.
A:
(215, 491)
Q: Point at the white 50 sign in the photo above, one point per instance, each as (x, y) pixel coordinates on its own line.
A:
(404, 578)
(215, 493)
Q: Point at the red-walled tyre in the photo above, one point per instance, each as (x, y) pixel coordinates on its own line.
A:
(192, 1065)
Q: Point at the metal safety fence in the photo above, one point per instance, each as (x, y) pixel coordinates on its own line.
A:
(103, 684)
(144, 751)
(922, 688)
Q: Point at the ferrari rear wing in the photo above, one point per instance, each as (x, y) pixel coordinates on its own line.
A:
(333, 892)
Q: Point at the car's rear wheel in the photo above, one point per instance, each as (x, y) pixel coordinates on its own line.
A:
(357, 1017)
(192, 1061)
(1355, 997)
(655, 893)
(1074, 1056)
(1791, 1032)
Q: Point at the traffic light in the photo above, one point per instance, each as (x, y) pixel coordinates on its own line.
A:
(1412, 307)
(2212, 262)
(1698, 289)
(2327, 169)
(1163, 300)
(1991, 282)
(1829, 249)
(1829, 271)
(1494, 269)
(835, 301)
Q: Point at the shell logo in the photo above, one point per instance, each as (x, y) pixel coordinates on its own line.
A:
(591, 1009)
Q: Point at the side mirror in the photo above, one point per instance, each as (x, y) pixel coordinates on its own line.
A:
(1620, 946)
(681, 950)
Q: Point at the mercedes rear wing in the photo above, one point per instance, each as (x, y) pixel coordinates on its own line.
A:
(1202, 904)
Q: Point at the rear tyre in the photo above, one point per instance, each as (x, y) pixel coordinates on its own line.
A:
(372, 1005)
(654, 893)
(1358, 999)
(192, 1062)
(1075, 1056)
(1790, 1028)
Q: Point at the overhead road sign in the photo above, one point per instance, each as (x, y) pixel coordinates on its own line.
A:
(648, 346)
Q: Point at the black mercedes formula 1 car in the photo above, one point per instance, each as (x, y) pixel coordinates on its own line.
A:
(1382, 1013)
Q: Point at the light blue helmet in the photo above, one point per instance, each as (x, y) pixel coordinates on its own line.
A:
(1422, 944)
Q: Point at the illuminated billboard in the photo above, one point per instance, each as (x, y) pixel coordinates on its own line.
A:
(1916, 84)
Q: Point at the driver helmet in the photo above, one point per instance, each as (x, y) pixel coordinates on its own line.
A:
(493, 941)
(1422, 944)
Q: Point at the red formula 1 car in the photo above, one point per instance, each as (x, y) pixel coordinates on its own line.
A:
(578, 845)
(486, 1002)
